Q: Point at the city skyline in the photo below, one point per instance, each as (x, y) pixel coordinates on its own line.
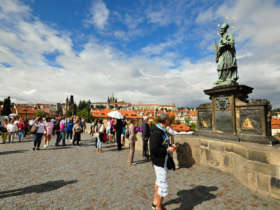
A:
(145, 51)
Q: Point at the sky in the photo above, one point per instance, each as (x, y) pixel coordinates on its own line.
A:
(141, 51)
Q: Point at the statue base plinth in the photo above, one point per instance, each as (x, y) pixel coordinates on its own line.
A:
(230, 115)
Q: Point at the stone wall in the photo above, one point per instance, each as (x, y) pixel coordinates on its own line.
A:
(255, 166)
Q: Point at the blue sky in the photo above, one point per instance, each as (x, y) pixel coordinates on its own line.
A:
(142, 51)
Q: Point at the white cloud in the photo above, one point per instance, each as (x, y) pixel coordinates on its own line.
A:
(99, 14)
(256, 20)
(29, 92)
(170, 12)
(157, 49)
(205, 16)
(14, 7)
(121, 35)
(99, 70)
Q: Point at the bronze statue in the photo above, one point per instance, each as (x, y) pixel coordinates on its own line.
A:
(226, 58)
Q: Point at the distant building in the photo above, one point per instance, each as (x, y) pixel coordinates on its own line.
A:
(184, 114)
(59, 109)
(69, 106)
(99, 105)
(25, 112)
(275, 126)
(120, 105)
(103, 113)
(155, 107)
(112, 99)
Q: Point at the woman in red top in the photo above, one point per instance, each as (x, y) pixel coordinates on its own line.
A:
(20, 130)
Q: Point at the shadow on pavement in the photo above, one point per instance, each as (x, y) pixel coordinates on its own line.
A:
(190, 198)
(87, 143)
(57, 148)
(141, 161)
(12, 152)
(108, 145)
(115, 149)
(40, 188)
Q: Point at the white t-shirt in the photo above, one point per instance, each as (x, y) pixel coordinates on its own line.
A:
(40, 127)
(10, 127)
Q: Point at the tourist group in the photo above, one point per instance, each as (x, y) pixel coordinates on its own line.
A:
(157, 141)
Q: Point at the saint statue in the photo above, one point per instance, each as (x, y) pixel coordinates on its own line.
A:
(226, 58)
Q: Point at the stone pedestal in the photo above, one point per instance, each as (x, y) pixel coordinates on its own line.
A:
(230, 115)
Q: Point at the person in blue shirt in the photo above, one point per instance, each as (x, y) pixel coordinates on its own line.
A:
(69, 129)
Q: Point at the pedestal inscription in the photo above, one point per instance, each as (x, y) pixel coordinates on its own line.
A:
(223, 120)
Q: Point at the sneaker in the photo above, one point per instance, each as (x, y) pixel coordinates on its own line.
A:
(131, 164)
(38, 148)
(45, 145)
(153, 206)
(101, 151)
(33, 148)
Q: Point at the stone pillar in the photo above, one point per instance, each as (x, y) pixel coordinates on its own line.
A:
(230, 115)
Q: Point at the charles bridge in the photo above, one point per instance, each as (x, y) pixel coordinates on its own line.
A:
(211, 175)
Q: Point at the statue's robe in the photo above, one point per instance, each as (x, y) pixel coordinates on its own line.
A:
(227, 66)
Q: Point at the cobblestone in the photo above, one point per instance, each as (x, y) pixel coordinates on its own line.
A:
(75, 177)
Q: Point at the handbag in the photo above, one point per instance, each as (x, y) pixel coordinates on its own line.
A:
(170, 163)
(33, 129)
(127, 134)
(3, 130)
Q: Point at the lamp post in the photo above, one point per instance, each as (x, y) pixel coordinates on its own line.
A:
(89, 103)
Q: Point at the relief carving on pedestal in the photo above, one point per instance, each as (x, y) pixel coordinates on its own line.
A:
(222, 102)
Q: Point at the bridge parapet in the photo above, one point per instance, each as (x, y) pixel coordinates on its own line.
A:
(254, 165)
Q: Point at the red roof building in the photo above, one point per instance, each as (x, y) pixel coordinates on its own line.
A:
(275, 126)
(25, 112)
(103, 113)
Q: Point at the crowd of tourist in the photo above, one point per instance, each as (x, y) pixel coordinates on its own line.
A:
(158, 138)
(10, 128)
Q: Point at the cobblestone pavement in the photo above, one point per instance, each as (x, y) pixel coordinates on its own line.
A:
(75, 177)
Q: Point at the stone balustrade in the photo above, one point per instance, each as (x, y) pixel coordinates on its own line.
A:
(254, 165)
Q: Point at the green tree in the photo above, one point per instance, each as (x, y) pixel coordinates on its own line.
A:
(82, 105)
(193, 126)
(69, 113)
(41, 113)
(84, 114)
(7, 106)
(180, 108)
(274, 111)
(187, 121)
(100, 107)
